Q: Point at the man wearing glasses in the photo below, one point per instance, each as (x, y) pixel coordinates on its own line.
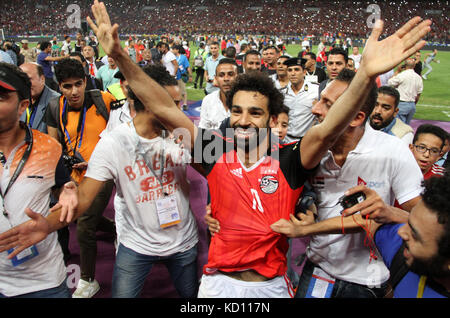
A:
(427, 149)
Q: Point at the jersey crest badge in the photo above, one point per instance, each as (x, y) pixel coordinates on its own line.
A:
(268, 184)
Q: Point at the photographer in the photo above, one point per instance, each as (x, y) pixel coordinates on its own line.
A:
(76, 119)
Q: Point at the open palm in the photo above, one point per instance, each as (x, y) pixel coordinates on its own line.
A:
(25, 235)
(107, 35)
(381, 56)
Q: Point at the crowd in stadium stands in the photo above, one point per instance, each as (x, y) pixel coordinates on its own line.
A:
(277, 17)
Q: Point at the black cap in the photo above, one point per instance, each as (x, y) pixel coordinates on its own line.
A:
(12, 82)
(119, 75)
(295, 61)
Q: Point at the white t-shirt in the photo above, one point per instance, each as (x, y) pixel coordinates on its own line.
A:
(116, 157)
(167, 62)
(212, 111)
(66, 47)
(387, 166)
(357, 59)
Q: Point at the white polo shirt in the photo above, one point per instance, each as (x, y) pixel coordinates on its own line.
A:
(387, 166)
(408, 83)
(300, 109)
(212, 111)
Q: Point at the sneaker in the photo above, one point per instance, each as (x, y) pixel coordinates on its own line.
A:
(424, 77)
(185, 107)
(86, 289)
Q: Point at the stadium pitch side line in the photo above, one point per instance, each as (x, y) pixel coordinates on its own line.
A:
(434, 106)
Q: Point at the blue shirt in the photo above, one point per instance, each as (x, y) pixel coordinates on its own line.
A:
(183, 65)
(4, 57)
(210, 67)
(388, 243)
(46, 65)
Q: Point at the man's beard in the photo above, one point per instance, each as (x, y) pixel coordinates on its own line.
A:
(434, 267)
(257, 135)
(382, 124)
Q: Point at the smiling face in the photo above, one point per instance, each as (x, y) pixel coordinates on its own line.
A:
(249, 116)
(252, 62)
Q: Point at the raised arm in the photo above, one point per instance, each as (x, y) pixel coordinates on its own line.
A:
(151, 94)
(378, 57)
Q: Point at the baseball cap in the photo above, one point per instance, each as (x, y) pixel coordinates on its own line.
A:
(9, 80)
(24, 41)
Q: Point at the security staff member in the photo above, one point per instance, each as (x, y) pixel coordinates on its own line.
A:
(298, 96)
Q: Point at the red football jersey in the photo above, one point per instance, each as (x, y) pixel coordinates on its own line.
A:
(435, 171)
(246, 201)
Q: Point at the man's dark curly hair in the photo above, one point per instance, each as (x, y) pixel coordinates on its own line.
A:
(436, 198)
(160, 75)
(69, 68)
(261, 83)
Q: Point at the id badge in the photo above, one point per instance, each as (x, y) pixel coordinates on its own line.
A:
(321, 284)
(312, 78)
(25, 255)
(167, 210)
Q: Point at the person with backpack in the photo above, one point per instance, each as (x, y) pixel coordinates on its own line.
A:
(76, 120)
(199, 63)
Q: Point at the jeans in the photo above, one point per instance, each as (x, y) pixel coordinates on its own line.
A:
(131, 270)
(62, 291)
(87, 226)
(406, 111)
(341, 289)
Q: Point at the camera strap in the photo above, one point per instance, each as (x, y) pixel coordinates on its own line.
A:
(20, 166)
(80, 127)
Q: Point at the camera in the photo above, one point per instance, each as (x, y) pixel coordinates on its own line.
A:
(70, 161)
(351, 200)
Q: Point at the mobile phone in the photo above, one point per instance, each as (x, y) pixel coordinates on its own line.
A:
(351, 200)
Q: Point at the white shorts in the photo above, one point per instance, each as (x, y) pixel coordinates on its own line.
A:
(219, 285)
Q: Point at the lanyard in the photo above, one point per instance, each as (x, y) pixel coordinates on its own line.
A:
(421, 287)
(20, 166)
(30, 116)
(141, 151)
(80, 139)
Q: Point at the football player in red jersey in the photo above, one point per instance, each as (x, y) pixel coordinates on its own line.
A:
(252, 109)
